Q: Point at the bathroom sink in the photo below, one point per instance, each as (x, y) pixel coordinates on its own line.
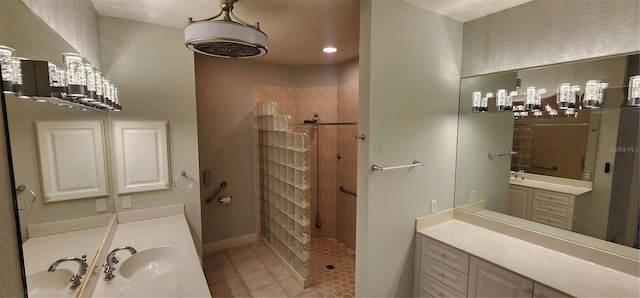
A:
(50, 284)
(150, 263)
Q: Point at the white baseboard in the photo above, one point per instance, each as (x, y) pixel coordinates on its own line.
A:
(229, 243)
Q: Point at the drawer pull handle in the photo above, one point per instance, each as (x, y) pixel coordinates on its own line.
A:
(443, 255)
(441, 294)
(527, 289)
(442, 274)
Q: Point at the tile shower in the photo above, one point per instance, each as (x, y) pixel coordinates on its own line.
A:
(301, 169)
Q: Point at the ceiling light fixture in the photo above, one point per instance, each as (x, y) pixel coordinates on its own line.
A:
(225, 38)
(329, 50)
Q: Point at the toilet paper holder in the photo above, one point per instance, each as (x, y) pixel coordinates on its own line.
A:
(223, 184)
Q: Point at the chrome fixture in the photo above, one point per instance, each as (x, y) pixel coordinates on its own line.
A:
(77, 84)
(361, 137)
(75, 279)
(634, 91)
(415, 163)
(223, 185)
(112, 260)
(312, 120)
(22, 188)
(492, 155)
(225, 38)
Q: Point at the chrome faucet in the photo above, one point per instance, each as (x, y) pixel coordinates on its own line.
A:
(75, 279)
(112, 260)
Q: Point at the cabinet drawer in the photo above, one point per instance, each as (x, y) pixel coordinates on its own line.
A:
(435, 288)
(552, 220)
(445, 254)
(444, 274)
(553, 209)
(553, 197)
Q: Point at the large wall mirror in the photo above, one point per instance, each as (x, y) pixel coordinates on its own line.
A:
(81, 223)
(567, 172)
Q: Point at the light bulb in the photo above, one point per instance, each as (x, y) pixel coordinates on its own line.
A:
(6, 65)
(76, 74)
(530, 99)
(634, 91)
(591, 91)
(562, 96)
(476, 99)
(501, 100)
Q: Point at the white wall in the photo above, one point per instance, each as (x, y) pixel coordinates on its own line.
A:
(544, 32)
(75, 21)
(155, 75)
(409, 78)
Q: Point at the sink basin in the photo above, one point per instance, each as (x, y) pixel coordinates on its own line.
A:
(150, 263)
(50, 284)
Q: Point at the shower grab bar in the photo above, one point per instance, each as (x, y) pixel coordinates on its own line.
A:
(414, 164)
(341, 189)
(492, 155)
(223, 184)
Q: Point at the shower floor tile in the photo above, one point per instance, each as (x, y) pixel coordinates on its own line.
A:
(228, 273)
(340, 280)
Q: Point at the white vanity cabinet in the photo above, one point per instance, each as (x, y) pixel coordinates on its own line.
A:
(519, 204)
(489, 280)
(446, 271)
(543, 206)
(443, 270)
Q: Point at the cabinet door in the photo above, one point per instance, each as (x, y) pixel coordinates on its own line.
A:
(541, 291)
(519, 204)
(488, 280)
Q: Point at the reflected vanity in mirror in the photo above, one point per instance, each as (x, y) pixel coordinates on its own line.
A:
(562, 159)
(64, 220)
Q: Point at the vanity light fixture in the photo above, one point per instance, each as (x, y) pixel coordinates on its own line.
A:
(476, 100)
(329, 50)
(76, 85)
(501, 100)
(562, 96)
(6, 65)
(225, 38)
(484, 103)
(530, 99)
(633, 99)
(76, 74)
(538, 101)
(594, 94)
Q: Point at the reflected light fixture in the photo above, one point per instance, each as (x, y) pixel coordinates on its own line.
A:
(634, 91)
(226, 37)
(329, 50)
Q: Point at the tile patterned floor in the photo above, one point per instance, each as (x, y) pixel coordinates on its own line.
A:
(253, 271)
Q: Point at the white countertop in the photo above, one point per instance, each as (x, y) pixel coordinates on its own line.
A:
(561, 188)
(566, 273)
(40, 252)
(185, 280)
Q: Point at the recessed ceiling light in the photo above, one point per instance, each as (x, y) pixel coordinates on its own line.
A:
(329, 50)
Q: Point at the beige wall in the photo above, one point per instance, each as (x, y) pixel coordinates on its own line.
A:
(409, 78)
(155, 75)
(545, 32)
